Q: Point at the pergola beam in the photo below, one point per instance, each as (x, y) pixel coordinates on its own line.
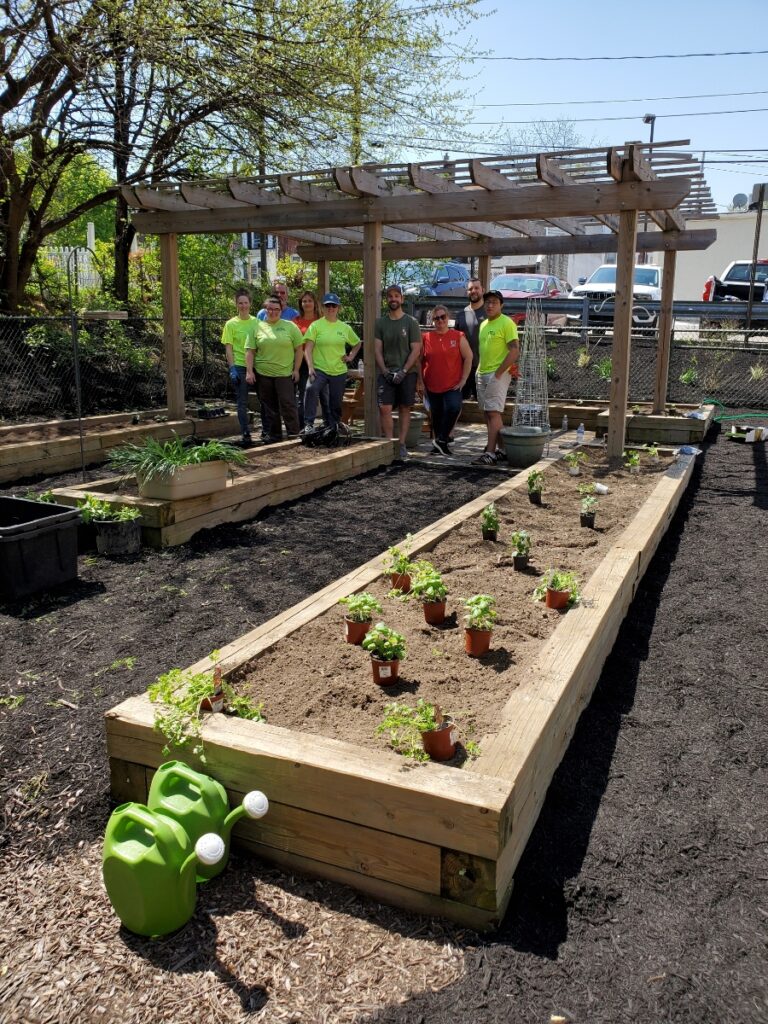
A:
(548, 171)
(493, 180)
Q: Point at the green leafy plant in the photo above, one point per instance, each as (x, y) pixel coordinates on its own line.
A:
(13, 701)
(405, 723)
(604, 368)
(427, 584)
(631, 459)
(481, 611)
(46, 496)
(118, 663)
(653, 451)
(558, 579)
(361, 607)
(398, 559)
(551, 367)
(585, 489)
(583, 359)
(94, 510)
(588, 505)
(152, 457)
(520, 542)
(572, 459)
(535, 480)
(489, 517)
(691, 375)
(756, 373)
(384, 644)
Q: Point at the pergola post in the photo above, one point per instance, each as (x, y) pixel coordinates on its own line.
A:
(622, 329)
(323, 277)
(371, 310)
(665, 332)
(484, 271)
(174, 367)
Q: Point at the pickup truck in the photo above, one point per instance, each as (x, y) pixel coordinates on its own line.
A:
(733, 285)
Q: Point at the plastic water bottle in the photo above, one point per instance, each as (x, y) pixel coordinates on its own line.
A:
(565, 423)
(580, 434)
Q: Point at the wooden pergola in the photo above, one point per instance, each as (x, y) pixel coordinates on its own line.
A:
(574, 201)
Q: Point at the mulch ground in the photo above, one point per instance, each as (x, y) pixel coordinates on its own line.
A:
(641, 894)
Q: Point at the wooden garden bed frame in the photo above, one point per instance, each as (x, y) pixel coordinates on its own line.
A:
(167, 523)
(22, 454)
(435, 840)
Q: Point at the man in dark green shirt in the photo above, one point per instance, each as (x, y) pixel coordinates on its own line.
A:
(397, 342)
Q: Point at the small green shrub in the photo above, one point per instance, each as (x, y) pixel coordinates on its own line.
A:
(489, 517)
(535, 480)
(604, 368)
(405, 723)
(361, 607)
(520, 542)
(481, 611)
(384, 644)
(94, 510)
(398, 559)
(558, 579)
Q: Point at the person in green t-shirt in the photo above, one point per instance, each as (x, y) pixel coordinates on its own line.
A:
(325, 349)
(397, 345)
(275, 355)
(499, 352)
(236, 334)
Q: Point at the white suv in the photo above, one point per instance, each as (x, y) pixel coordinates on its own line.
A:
(600, 288)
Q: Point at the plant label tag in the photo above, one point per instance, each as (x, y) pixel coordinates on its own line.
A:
(452, 736)
(385, 672)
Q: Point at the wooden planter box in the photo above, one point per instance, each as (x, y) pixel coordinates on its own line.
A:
(185, 482)
(169, 521)
(436, 840)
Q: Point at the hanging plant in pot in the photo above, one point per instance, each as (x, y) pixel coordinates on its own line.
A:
(421, 732)
(520, 547)
(359, 615)
(489, 521)
(632, 462)
(397, 562)
(573, 461)
(117, 527)
(480, 618)
(427, 586)
(387, 649)
(558, 589)
(535, 486)
(178, 468)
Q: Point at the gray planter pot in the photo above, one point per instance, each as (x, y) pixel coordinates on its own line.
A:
(523, 446)
(116, 538)
(414, 428)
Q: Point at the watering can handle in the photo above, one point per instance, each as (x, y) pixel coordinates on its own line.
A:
(144, 817)
(184, 772)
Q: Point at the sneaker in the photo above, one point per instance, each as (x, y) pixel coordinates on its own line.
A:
(247, 441)
(441, 447)
(436, 449)
(486, 459)
(403, 455)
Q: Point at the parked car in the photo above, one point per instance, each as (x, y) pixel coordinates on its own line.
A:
(447, 279)
(600, 288)
(532, 286)
(733, 283)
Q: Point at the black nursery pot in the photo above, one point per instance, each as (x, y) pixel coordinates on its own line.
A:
(534, 497)
(489, 534)
(587, 519)
(520, 561)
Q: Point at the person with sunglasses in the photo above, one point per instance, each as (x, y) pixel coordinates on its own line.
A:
(325, 350)
(397, 344)
(446, 364)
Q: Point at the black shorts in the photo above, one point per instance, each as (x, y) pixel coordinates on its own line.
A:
(397, 394)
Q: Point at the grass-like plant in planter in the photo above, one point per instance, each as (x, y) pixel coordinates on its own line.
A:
(387, 649)
(558, 588)
(398, 564)
(359, 615)
(535, 481)
(489, 521)
(116, 527)
(174, 469)
(480, 618)
(428, 587)
(421, 732)
(520, 546)
(182, 698)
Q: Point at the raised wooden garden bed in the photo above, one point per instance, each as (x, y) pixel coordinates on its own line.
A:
(433, 839)
(274, 474)
(33, 449)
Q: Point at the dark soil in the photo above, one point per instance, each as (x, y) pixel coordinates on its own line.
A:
(641, 894)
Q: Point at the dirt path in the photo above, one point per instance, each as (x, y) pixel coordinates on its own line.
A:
(640, 896)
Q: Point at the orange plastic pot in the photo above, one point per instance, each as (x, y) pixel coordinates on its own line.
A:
(401, 581)
(440, 743)
(355, 631)
(477, 642)
(557, 598)
(434, 612)
(385, 673)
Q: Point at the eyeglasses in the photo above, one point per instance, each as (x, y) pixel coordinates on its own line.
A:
(331, 305)
(440, 316)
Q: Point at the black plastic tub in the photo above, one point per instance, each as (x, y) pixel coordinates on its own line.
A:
(38, 546)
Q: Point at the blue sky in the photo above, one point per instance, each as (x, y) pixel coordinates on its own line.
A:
(601, 29)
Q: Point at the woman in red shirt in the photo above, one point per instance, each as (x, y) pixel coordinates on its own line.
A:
(446, 363)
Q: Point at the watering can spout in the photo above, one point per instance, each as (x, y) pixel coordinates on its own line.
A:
(254, 805)
(209, 849)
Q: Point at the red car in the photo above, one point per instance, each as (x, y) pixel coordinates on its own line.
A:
(532, 286)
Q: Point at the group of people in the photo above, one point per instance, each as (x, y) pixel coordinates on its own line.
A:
(299, 359)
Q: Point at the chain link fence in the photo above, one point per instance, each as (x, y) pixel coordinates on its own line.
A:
(121, 366)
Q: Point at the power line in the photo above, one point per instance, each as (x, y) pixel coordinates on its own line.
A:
(637, 99)
(625, 117)
(636, 56)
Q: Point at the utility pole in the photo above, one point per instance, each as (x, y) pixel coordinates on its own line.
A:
(758, 202)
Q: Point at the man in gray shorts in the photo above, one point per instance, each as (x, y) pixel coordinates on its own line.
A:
(397, 344)
(499, 353)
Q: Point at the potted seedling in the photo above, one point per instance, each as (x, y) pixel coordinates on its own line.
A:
(520, 545)
(480, 617)
(117, 527)
(573, 460)
(387, 649)
(632, 462)
(653, 454)
(489, 520)
(397, 562)
(427, 586)
(359, 615)
(178, 468)
(420, 732)
(588, 510)
(558, 589)
(535, 486)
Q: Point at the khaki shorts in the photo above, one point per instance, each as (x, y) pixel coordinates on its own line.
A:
(492, 393)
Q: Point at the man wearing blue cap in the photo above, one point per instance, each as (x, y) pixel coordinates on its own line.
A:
(325, 350)
(397, 341)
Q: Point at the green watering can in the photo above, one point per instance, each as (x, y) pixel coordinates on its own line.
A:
(149, 867)
(200, 804)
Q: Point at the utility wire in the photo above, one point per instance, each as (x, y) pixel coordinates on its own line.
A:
(637, 99)
(636, 56)
(625, 117)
